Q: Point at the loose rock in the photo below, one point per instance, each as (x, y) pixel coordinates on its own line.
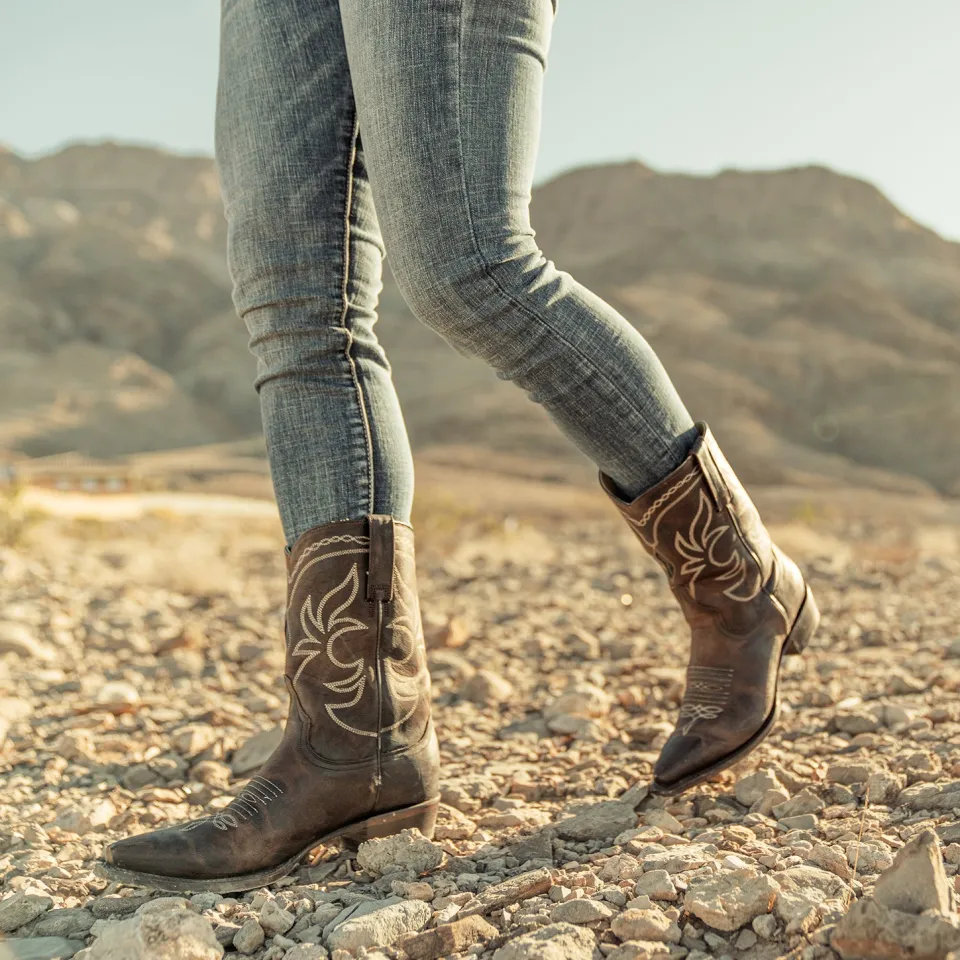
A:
(408, 850)
(559, 941)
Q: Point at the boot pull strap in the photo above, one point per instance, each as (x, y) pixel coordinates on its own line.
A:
(380, 571)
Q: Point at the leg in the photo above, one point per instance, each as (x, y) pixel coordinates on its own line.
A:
(448, 94)
(358, 756)
(306, 254)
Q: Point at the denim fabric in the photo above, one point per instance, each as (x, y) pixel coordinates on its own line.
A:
(348, 128)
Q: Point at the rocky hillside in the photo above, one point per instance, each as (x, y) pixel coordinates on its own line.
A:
(815, 325)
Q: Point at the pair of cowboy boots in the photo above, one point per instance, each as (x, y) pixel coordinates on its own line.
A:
(359, 756)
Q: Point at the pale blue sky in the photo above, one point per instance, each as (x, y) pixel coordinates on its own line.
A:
(869, 87)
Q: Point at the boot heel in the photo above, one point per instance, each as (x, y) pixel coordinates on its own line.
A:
(804, 627)
(423, 816)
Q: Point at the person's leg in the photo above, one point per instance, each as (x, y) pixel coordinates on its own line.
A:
(358, 756)
(305, 255)
(448, 94)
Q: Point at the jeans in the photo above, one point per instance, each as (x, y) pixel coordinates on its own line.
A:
(346, 130)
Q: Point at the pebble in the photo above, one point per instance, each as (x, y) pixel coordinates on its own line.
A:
(39, 948)
(637, 924)
(19, 909)
(274, 919)
(19, 639)
(916, 880)
(409, 850)
(558, 941)
(732, 900)
(580, 911)
(598, 822)
(379, 928)
(249, 938)
(485, 686)
(173, 934)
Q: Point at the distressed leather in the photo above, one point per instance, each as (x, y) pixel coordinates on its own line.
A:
(358, 740)
(741, 597)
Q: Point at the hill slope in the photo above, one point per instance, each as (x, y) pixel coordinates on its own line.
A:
(813, 324)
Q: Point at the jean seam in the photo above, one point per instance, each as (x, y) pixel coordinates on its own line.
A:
(486, 267)
(345, 295)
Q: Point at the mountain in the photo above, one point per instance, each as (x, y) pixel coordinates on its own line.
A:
(808, 319)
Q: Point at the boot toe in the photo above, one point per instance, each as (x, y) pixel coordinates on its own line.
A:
(156, 853)
(682, 756)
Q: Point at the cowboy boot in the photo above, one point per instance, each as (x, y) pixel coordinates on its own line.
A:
(745, 601)
(358, 757)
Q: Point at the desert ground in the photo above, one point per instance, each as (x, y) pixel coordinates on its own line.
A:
(140, 661)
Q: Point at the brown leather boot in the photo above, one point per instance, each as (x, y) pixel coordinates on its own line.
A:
(359, 755)
(746, 603)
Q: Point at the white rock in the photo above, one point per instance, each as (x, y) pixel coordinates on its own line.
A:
(680, 858)
(158, 935)
(580, 911)
(883, 787)
(18, 638)
(657, 885)
(871, 930)
(646, 925)
(117, 696)
(313, 951)
(621, 867)
(732, 900)
(379, 928)
(20, 908)
(640, 950)
(407, 850)
(558, 941)
(751, 788)
(274, 919)
(249, 938)
(39, 948)
(580, 700)
(765, 926)
(485, 686)
(598, 822)
(916, 881)
(86, 816)
(799, 911)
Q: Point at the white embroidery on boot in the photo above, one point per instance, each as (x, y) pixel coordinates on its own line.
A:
(259, 791)
(326, 542)
(707, 693)
(699, 547)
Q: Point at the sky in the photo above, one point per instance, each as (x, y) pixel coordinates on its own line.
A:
(867, 87)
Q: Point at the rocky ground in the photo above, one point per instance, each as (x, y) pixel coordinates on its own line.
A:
(139, 665)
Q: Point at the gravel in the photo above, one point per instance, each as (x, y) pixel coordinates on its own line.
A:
(133, 704)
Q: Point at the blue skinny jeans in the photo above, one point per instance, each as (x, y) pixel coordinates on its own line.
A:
(349, 129)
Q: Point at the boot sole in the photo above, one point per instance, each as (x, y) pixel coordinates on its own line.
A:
(423, 816)
(802, 631)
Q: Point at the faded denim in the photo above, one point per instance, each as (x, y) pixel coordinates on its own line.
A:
(347, 129)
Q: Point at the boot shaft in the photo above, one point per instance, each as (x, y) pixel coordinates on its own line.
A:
(355, 658)
(702, 527)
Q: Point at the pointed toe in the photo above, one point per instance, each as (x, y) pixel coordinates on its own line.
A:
(682, 756)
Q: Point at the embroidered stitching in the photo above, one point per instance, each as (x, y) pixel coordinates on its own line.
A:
(258, 792)
(340, 538)
(707, 694)
(321, 631)
(698, 548)
(661, 500)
